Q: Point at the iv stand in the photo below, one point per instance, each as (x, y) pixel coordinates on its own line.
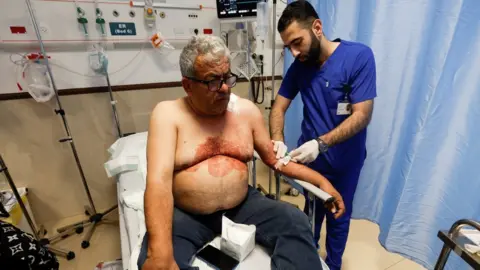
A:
(69, 255)
(95, 217)
(272, 100)
(114, 105)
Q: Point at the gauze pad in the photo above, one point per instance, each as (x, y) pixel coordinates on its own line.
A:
(232, 104)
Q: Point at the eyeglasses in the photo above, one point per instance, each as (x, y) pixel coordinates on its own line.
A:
(216, 84)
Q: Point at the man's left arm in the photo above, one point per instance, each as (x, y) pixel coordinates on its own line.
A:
(363, 92)
(357, 121)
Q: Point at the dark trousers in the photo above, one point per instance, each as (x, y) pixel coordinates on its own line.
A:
(281, 228)
(337, 229)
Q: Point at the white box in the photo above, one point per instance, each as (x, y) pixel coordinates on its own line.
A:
(238, 240)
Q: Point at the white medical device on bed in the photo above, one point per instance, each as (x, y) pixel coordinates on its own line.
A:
(129, 165)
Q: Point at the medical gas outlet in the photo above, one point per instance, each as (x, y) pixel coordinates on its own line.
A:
(149, 13)
(81, 19)
(100, 20)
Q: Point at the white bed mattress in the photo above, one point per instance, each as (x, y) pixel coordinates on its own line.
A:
(124, 239)
(130, 223)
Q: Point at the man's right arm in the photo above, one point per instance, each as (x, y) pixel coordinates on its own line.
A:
(162, 138)
(277, 117)
(287, 92)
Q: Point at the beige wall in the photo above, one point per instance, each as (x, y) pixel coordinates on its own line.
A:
(29, 134)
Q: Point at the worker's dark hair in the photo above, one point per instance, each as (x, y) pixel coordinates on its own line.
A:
(300, 11)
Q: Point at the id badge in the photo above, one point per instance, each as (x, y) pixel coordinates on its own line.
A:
(344, 108)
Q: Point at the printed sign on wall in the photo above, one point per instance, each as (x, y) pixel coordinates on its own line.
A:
(122, 29)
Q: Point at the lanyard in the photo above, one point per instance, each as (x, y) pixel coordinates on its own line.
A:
(347, 89)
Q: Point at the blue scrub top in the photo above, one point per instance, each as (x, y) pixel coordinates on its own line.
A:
(353, 65)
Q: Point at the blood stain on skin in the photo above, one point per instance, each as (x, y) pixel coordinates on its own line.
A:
(193, 168)
(223, 157)
(220, 166)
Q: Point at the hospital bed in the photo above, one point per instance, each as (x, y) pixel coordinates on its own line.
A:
(127, 165)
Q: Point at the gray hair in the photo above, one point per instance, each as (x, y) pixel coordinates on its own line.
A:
(211, 46)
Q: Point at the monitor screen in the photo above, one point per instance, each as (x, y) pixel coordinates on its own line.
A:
(236, 8)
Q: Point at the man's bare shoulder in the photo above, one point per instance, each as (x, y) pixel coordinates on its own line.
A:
(172, 108)
(247, 108)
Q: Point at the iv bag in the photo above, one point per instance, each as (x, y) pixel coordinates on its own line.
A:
(98, 59)
(37, 80)
(262, 20)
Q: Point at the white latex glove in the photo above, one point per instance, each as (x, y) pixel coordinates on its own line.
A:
(280, 148)
(306, 153)
(282, 162)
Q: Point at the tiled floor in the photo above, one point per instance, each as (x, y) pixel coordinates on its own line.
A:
(104, 245)
(363, 249)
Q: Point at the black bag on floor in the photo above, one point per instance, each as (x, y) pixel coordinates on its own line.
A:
(20, 250)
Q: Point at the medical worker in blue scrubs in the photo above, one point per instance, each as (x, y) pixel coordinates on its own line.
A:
(337, 83)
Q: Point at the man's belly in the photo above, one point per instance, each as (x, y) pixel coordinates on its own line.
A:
(214, 184)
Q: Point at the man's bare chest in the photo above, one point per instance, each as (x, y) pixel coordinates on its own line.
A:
(199, 142)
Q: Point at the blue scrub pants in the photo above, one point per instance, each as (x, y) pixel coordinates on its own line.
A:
(337, 229)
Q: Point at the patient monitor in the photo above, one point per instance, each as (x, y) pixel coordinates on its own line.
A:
(236, 8)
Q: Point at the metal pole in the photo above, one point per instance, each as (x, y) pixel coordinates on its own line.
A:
(4, 169)
(254, 173)
(443, 257)
(314, 211)
(452, 233)
(60, 109)
(59, 252)
(274, 37)
(114, 106)
(270, 181)
(277, 186)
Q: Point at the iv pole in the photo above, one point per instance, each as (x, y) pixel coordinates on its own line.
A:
(104, 71)
(272, 100)
(113, 102)
(43, 241)
(95, 217)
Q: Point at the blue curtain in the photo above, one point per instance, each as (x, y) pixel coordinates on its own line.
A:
(423, 167)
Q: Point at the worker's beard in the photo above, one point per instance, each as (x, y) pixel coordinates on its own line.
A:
(313, 56)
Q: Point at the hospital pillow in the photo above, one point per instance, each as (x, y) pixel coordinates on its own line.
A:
(127, 154)
(128, 145)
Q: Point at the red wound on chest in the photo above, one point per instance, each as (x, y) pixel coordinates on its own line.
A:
(223, 157)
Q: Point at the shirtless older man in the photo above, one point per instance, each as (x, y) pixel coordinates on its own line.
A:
(198, 149)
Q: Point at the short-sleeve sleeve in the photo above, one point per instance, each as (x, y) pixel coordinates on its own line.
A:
(289, 87)
(364, 79)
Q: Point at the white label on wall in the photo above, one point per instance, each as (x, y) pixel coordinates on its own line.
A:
(179, 32)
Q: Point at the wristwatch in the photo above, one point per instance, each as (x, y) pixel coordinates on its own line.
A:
(322, 146)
